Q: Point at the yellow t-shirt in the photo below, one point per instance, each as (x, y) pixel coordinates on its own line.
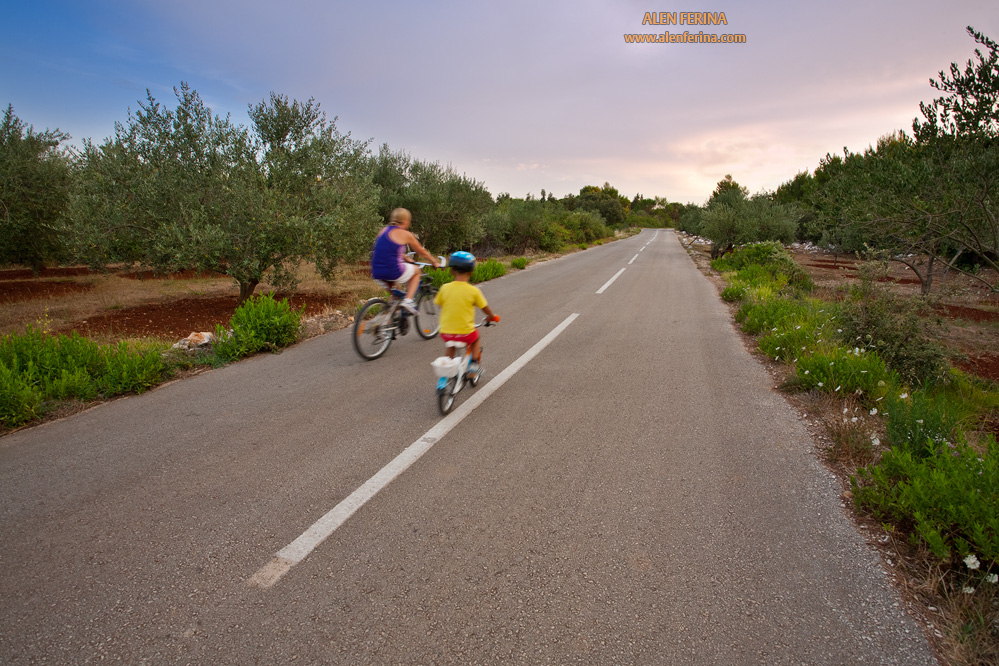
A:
(458, 301)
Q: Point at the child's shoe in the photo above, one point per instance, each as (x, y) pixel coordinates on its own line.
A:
(473, 370)
(409, 305)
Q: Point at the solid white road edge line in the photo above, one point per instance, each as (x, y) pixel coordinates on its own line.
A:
(609, 282)
(300, 548)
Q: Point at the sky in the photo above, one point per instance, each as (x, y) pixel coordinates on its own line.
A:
(519, 95)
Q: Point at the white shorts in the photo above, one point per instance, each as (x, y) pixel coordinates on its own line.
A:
(408, 271)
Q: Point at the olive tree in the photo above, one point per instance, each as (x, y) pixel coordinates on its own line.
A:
(184, 188)
(34, 190)
(959, 138)
(319, 176)
(446, 206)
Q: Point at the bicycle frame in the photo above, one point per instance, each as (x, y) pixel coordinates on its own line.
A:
(381, 320)
(448, 386)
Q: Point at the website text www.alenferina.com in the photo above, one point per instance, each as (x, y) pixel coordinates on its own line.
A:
(685, 37)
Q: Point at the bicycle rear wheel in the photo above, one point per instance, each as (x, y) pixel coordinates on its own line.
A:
(445, 396)
(372, 330)
(428, 314)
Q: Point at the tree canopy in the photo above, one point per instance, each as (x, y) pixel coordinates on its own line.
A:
(183, 188)
(34, 191)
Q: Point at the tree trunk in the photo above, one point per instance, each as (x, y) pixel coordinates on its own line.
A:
(927, 282)
(246, 289)
(950, 264)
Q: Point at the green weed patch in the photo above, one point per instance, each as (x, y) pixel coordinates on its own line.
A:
(38, 370)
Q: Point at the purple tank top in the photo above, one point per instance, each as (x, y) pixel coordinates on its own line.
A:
(386, 257)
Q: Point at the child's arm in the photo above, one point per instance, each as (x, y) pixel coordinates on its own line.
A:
(489, 313)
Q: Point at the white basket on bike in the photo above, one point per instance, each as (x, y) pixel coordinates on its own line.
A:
(446, 367)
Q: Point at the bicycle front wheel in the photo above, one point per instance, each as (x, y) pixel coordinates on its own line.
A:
(428, 315)
(372, 333)
(445, 396)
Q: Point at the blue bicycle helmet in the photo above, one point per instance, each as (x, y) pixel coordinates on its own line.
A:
(462, 261)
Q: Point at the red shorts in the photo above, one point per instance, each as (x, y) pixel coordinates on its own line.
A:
(467, 338)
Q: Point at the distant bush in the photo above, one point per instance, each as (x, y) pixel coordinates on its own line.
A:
(519, 225)
(520, 263)
(553, 238)
(770, 256)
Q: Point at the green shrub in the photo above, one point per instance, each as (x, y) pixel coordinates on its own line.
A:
(735, 291)
(439, 276)
(259, 324)
(922, 422)
(488, 270)
(796, 327)
(484, 271)
(789, 340)
(946, 500)
(875, 318)
(771, 257)
(520, 263)
(72, 383)
(841, 370)
(757, 317)
(553, 238)
(130, 371)
(19, 400)
(582, 226)
(38, 369)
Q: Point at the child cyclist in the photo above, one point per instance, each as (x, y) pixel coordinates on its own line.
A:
(458, 300)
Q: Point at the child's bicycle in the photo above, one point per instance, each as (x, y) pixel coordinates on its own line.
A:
(452, 373)
(380, 321)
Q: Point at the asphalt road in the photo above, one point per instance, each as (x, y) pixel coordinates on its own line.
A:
(635, 493)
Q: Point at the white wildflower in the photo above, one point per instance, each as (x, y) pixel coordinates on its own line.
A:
(853, 420)
(919, 421)
(820, 384)
(904, 396)
(874, 411)
(992, 578)
(838, 388)
(968, 590)
(972, 562)
(875, 441)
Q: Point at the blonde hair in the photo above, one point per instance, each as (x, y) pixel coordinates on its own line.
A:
(398, 215)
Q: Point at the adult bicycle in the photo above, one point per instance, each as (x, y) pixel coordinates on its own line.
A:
(381, 320)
